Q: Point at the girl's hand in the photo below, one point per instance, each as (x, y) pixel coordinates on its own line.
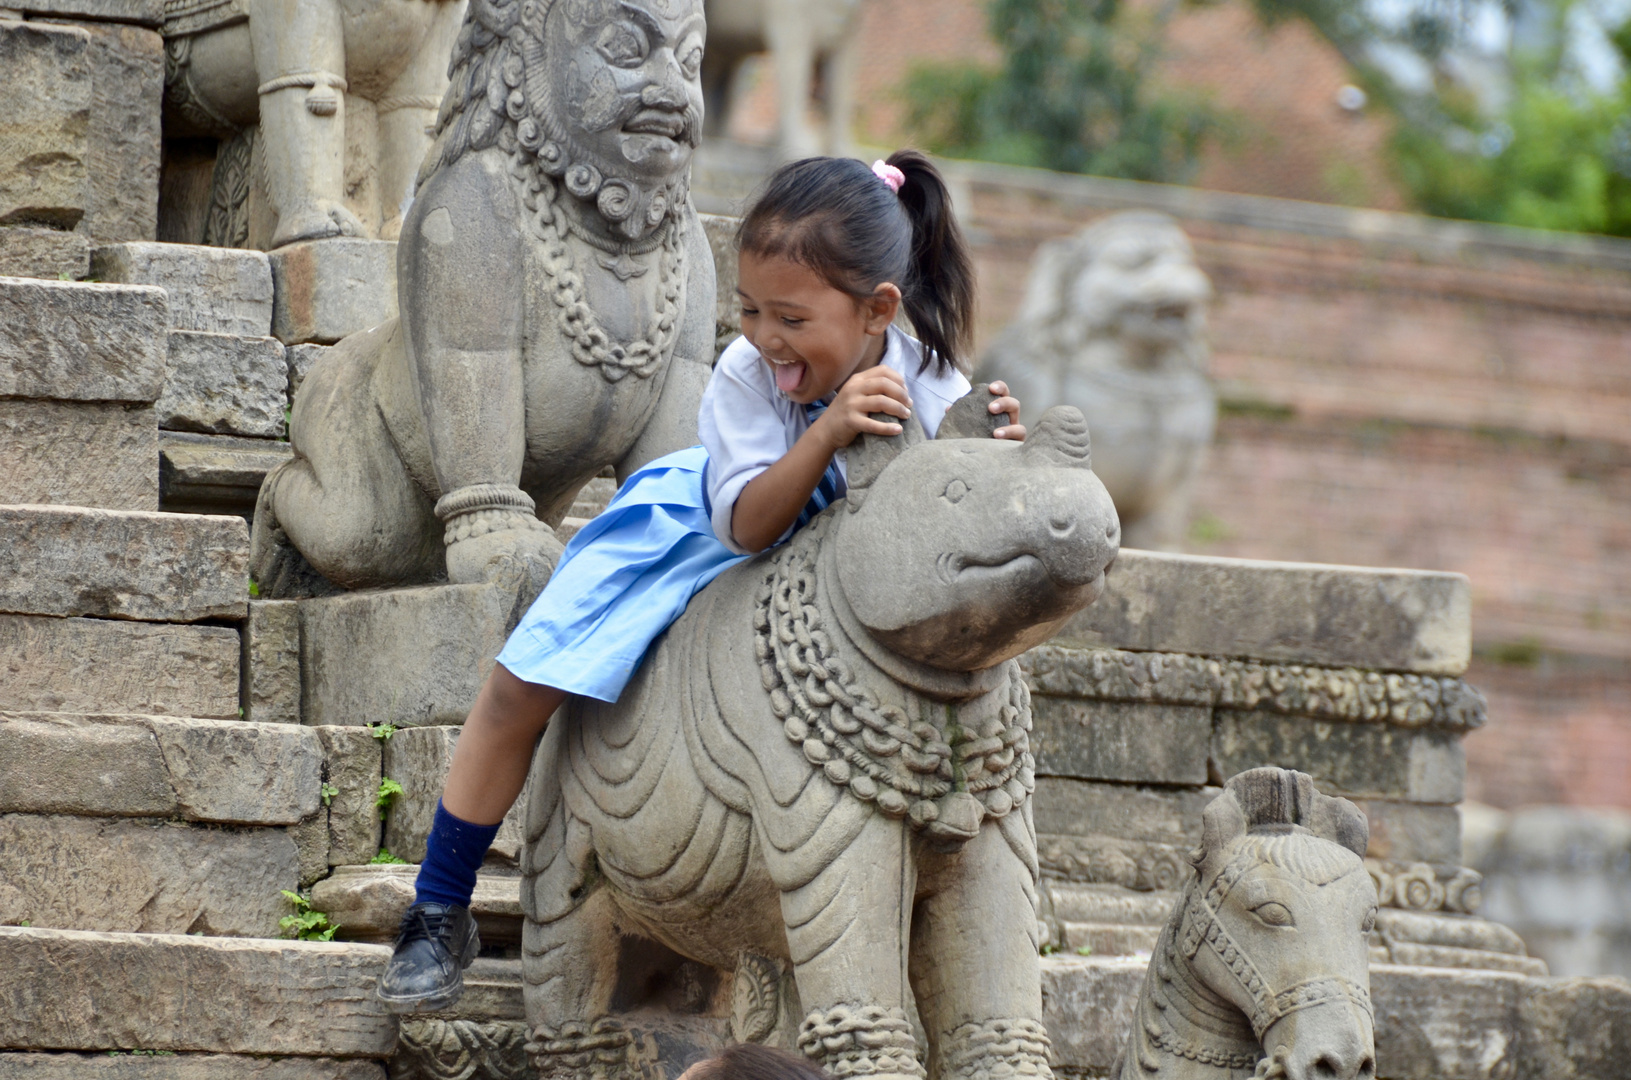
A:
(875, 390)
(1014, 430)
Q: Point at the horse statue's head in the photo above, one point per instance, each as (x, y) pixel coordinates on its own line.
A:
(1264, 969)
(964, 551)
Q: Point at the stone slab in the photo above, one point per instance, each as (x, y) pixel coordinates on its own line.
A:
(405, 657)
(117, 564)
(352, 760)
(45, 125)
(72, 990)
(1387, 620)
(27, 251)
(1413, 832)
(78, 453)
(301, 358)
(311, 848)
(1107, 939)
(41, 1066)
(1576, 1029)
(1149, 814)
(218, 771)
(1088, 1005)
(1358, 760)
(368, 902)
(418, 759)
(721, 233)
(225, 385)
(216, 474)
(81, 341)
(139, 12)
(211, 290)
(94, 666)
(127, 97)
(270, 667)
(1124, 741)
(326, 289)
(1109, 904)
(120, 874)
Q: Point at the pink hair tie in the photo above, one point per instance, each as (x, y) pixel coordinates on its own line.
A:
(889, 175)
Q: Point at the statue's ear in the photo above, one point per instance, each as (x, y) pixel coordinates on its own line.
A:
(1339, 821)
(970, 416)
(1221, 821)
(869, 455)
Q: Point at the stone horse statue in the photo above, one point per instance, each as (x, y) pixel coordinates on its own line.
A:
(557, 298)
(825, 763)
(1263, 970)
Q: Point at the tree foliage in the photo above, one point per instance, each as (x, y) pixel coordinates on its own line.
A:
(1071, 93)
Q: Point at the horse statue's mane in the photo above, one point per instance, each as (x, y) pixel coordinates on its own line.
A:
(1224, 973)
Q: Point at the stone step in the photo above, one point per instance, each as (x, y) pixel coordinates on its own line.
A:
(72, 561)
(96, 666)
(1107, 939)
(368, 902)
(215, 474)
(326, 289)
(116, 1065)
(76, 990)
(225, 384)
(212, 290)
(1109, 904)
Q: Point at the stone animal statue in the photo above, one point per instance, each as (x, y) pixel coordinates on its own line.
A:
(342, 93)
(1264, 969)
(801, 36)
(557, 299)
(825, 761)
(1114, 323)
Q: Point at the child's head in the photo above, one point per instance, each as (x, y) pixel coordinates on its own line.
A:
(746, 1061)
(839, 219)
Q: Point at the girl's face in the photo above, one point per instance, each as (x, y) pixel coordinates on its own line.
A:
(812, 335)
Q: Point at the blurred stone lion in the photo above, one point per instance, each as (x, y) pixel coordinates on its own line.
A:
(1114, 323)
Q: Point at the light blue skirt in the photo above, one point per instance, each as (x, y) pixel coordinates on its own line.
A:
(624, 578)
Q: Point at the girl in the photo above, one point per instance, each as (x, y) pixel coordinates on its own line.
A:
(829, 255)
(746, 1061)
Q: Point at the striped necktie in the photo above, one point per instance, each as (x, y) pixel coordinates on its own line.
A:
(826, 492)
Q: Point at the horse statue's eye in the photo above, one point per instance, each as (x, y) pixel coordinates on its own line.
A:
(1370, 921)
(956, 490)
(1273, 913)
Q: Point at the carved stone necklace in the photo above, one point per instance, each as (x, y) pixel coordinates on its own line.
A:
(946, 781)
(592, 346)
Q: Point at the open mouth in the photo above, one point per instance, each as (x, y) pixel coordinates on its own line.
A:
(789, 374)
(656, 122)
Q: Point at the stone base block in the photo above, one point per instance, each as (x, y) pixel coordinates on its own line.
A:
(368, 902)
(77, 453)
(1413, 832)
(43, 253)
(78, 341)
(1344, 758)
(271, 662)
(352, 761)
(301, 358)
(1146, 814)
(44, 170)
(326, 289)
(1109, 904)
(61, 560)
(94, 665)
(68, 990)
(127, 96)
(150, 877)
(212, 290)
(225, 385)
(222, 771)
(406, 657)
(1129, 742)
(37, 1066)
(1107, 939)
(215, 474)
(139, 12)
(418, 759)
(1341, 616)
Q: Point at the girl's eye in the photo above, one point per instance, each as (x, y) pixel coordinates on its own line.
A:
(1273, 914)
(955, 491)
(747, 312)
(795, 323)
(623, 44)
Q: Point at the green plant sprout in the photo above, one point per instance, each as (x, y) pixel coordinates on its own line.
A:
(385, 858)
(382, 732)
(388, 791)
(306, 924)
(329, 791)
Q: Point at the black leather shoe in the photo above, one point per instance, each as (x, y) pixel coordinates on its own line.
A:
(434, 945)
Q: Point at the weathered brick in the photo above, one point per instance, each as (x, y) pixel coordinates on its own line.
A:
(79, 341)
(1357, 760)
(44, 147)
(43, 253)
(211, 290)
(326, 289)
(1129, 742)
(224, 385)
(79, 453)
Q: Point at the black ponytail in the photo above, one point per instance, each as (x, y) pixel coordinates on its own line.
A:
(835, 216)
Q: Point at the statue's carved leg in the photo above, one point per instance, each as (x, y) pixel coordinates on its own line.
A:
(846, 930)
(570, 976)
(975, 966)
(787, 32)
(300, 64)
(407, 116)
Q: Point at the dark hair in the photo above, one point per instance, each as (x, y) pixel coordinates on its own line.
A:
(747, 1061)
(835, 216)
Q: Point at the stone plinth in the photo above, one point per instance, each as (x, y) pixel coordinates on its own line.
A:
(82, 665)
(44, 127)
(326, 289)
(419, 759)
(211, 290)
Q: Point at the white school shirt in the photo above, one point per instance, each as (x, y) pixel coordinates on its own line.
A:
(746, 425)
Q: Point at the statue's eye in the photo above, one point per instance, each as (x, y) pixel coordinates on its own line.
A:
(956, 490)
(1273, 913)
(1369, 922)
(691, 61)
(623, 44)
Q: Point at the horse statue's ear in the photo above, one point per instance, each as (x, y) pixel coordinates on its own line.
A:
(1271, 796)
(970, 416)
(869, 454)
(1341, 822)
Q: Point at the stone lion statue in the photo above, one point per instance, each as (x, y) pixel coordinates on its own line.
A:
(825, 765)
(557, 298)
(1114, 323)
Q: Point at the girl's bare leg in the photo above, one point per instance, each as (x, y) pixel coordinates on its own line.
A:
(494, 751)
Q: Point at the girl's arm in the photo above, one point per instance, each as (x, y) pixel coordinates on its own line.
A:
(773, 500)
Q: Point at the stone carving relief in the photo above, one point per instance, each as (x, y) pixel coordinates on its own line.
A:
(800, 37)
(1263, 970)
(1421, 886)
(436, 1049)
(551, 271)
(1114, 323)
(826, 763)
(332, 102)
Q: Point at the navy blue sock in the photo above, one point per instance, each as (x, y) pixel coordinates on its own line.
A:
(453, 854)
